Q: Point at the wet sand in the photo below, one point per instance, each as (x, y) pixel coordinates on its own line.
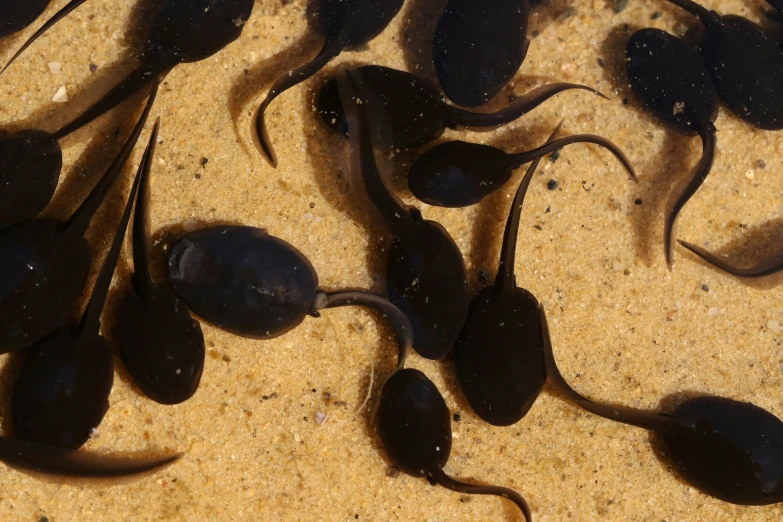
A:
(624, 328)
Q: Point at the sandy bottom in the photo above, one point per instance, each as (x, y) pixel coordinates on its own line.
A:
(624, 328)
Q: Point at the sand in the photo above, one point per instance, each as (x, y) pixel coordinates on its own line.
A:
(624, 328)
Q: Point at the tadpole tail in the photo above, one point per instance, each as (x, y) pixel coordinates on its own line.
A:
(144, 74)
(62, 13)
(91, 319)
(439, 476)
(505, 277)
(658, 422)
(710, 19)
(80, 220)
(64, 462)
(769, 265)
(329, 51)
(398, 320)
(141, 279)
(524, 157)
(457, 117)
(685, 188)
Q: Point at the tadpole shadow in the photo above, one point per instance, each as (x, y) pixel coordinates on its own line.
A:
(672, 162)
(543, 13)
(759, 242)
(417, 32)
(448, 373)
(247, 85)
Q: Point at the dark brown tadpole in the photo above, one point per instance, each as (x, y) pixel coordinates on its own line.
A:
(181, 31)
(771, 264)
(460, 174)
(44, 263)
(414, 424)
(730, 450)
(62, 392)
(425, 271)
(417, 112)
(15, 15)
(343, 25)
(479, 47)
(499, 355)
(161, 345)
(59, 15)
(670, 80)
(746, 65)
(254, 285)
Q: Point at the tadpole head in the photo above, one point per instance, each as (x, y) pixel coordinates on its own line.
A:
(30, 164)
(192, 30)
(414, 109)
(414, 423)
(426, 279)
(161, 345)
(736, 454)
(43, 274)
(499, 356)
(458, 174)
(670, 80)
(243, 280)
(62, 391)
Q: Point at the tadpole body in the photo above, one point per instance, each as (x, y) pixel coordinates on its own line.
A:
(746, 65)
(161, 345)
(44, 263)
(460, 174)
(425, 271)
(417, 112)
(479, 47)
(343, 25)
(670, 80)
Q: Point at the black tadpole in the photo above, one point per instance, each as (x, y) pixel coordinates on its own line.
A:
(746, 65)
(418, 114)
(460, 174)
(254, 285)
(730, 450)
(414, 424)
(670, 80)
(161, 345)
(425, 270)
(479, 47)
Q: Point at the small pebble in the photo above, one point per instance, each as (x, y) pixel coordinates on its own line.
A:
(61, 96)
(750, 174)
(320, 417)
(552, 185)
(773, 325)
(55, 67)
(705, 288)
